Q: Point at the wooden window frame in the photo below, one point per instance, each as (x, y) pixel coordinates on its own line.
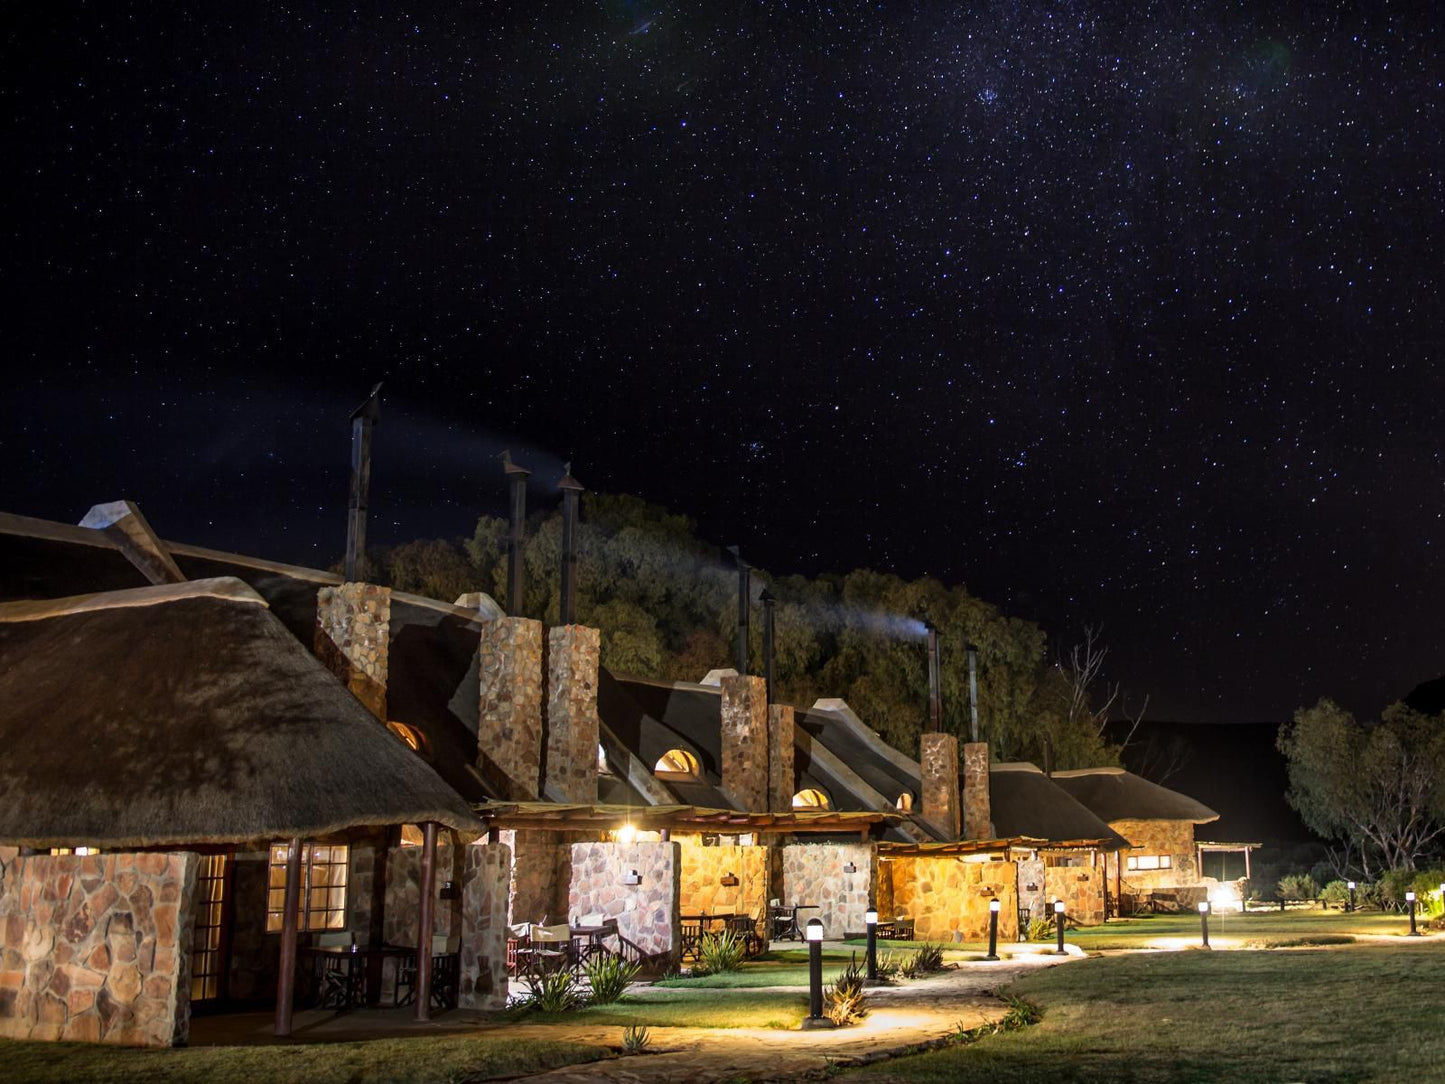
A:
(316, 913)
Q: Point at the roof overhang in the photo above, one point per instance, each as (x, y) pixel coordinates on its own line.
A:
(678, 818)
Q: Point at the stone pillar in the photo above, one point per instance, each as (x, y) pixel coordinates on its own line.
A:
(977, 812)
(572, 712)
(353, 632)
(780, 758)
(483, 945)
(509, 724)
(938, 761)
(745, 742)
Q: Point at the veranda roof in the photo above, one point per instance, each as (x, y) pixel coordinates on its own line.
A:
(1113, 794)
(683, 818)
(188, 714)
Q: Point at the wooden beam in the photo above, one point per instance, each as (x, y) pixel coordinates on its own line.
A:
(424, 922)
(290, 905)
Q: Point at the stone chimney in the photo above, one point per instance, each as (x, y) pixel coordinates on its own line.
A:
(744, 768)
(780, 758)
(572, 726)
(938, 765)
(977, 811)
(509, 723)
(352, 639)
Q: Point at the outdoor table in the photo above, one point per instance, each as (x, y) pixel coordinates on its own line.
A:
(794, 932)
(360, 968)
(587, 941)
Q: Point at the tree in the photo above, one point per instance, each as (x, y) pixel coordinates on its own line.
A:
(1379, 787)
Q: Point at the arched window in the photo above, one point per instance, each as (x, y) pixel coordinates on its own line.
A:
(678, 762)
(905, 802)
(409, 734)
(811, 798)
(602, 759)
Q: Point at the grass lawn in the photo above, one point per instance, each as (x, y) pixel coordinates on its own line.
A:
(1259, 928)
(420, 1060)
(781, 967)
(689, 1009)
(1365, 1012)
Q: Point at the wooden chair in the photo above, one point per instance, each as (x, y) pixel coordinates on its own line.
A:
(902, 928)
(691, 937)
(550, 950)
(445, 976)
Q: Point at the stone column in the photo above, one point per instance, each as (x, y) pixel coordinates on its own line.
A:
(938, 759)
(977, 811)
(353, 632)
(572, 712)
(483, 944)
(509, 724)
(780, 758)
(745, 741)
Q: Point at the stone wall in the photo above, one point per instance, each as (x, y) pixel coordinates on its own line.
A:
(509, 723)
(814, 873)
(485, 873)
(1033, 886)
(97, 948)
(353, 629)
(744, 742)
(1174, 838)
(403, 892)
(541, 874)
(782, 779)
(1082, 890)
(646, 913)
(703, 869)
(572, 725)
(938, 763)
(977, 807)
(948, 899)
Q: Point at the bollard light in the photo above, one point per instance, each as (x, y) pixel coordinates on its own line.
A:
(1351, 887)
(993, 909)
(870, 919)
(1410, 899)
(1059, 925)
(814, 934)
(1204, 921)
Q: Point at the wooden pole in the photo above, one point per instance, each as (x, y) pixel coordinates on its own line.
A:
(424, 922)
(286, 980)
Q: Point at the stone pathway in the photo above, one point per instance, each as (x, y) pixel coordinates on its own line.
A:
(910, 1015)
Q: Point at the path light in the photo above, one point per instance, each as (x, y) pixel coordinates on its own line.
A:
(993, 908)
(814, 934)
(1410, 899)
(870, 919)
(1059, 924)
(1204, 921)
(1352, 896)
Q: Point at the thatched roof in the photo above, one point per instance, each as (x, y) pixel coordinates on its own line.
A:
(1025, 802)
(1113, 794)
(682, 818)
(187, 714)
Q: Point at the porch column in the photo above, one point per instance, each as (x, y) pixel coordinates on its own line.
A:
(286, 980)
(424, 922)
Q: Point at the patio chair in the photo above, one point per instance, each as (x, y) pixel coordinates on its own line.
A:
(445, 975)
(550, 950)
(745, 927)
(691, 937)
(902, 928)
(517, 942)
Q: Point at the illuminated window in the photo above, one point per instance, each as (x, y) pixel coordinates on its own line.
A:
(1149, 861)
(810, 798)
(323, 887)
(678, 762)
(78, 851)
(905, 802)
(206, 957)
(411, 835)
(409, 734)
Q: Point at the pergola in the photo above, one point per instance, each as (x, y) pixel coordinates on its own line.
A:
(666, 819)
(1201, 849)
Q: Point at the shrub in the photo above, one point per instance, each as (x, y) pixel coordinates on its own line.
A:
(557, 992)
(608, 977)
(719, 952)
(635, 1039)
(1298, 886)
(1427, 884)
(1337, 892)
(845, 1002)
(1040, 929)
(925, 961)
(888, 966)
(1394, 884)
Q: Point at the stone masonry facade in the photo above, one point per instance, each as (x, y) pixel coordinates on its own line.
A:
(1082, 890)
(744, 742)
(938, 762)
(817, 873)
(647, 912)
(977, 809)
(948, 899)
(353, 630)
(97, 948)
(781, 776)
(705, 868)
(572, 725)
(1156, 838)
(509, 724)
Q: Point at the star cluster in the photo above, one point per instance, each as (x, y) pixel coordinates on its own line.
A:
(1121, 314)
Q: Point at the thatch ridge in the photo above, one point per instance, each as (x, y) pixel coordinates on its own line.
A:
(1114, 794)
(196, 720)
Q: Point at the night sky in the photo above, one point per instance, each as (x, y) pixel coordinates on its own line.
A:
(1119, 313)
